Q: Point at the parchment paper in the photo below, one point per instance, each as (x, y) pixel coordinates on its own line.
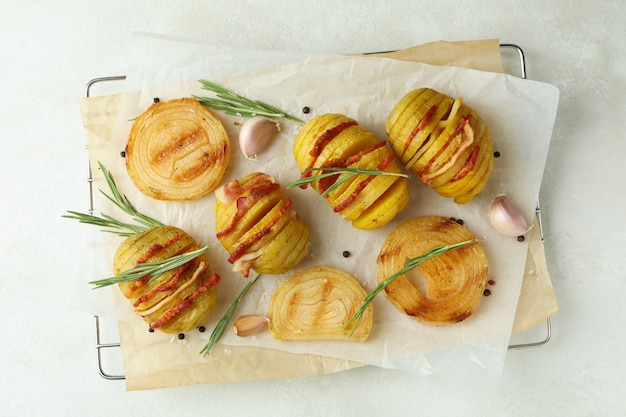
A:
(485, 334)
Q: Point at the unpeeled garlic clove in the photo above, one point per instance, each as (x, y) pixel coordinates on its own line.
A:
(255, 134)
(249, 324)
(506, 219)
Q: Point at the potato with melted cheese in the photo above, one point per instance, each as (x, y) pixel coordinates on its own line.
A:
(180, 299)
(445, 143)
(258, 226)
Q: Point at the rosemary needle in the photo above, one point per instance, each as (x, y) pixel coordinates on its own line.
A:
(331, 171)
(236, 105)
(152, 269)
(408, 265)
(219, 329)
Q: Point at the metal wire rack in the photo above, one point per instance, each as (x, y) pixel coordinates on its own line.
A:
(512, 54)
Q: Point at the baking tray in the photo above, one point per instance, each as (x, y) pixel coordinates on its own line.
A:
(108, 357)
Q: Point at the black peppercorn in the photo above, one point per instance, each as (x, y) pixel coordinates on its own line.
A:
(156, 100)
(201, 329)
(181, 336)
(460, 221)
(151, 330)
(521, 238)
(346, 254)
(306, 110)
(496, 154)
(487, 292)
(123, 154)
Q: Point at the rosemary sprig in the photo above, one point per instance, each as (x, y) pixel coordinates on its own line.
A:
(408, 265)
(152, 269)
(236, 105)
(108, 222)
(123, 203)
(219, 329)
(113, 225)
(330, 171)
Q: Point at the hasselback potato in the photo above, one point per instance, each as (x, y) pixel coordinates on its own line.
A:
(337, 141)
(257, 225)
(443, 142)
(180, 299)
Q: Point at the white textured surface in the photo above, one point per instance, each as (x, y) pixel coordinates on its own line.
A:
(48, 52)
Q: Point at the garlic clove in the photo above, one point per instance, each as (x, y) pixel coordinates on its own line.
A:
(506, 219)
(255, 134)
(249, 324)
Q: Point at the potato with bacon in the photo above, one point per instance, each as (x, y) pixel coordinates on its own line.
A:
(178, 300)
(369, 199)
(257, 225)
(443, 142)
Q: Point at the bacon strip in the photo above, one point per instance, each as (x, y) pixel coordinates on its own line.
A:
(232, 190)
(321, 142)
(139, 283)
(165, 287)
(466, 141)
(210, 282)
(360, 186)
(152, 250)
(330, 134)
(421, 125)
(461, 125)
(245, 203)
(244, 246)
(468, 166)
(357, 157)
(325, 183)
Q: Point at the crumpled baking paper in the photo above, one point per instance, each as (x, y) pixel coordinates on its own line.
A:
(366, 89)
